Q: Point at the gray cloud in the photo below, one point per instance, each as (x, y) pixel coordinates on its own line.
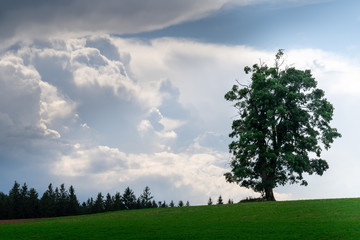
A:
(19, 103)
(25, 20)
(28, 19)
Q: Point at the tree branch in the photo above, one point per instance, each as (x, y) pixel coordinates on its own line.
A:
(243, 85)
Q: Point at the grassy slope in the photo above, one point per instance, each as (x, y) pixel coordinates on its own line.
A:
(315, 219)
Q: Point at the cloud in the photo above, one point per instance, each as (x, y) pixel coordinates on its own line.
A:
(22, 20)
(144, 126)
(54, 108)
(29, 106)
(200, 73)
(42, 18)
(335, 73)
(199, 172)
(91, 69)
(33, 117)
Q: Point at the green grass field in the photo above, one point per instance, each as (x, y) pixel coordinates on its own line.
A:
(315, 219)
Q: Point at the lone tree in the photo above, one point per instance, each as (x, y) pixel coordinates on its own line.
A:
(282, 128)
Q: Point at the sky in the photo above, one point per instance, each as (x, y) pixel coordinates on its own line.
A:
(107, 94)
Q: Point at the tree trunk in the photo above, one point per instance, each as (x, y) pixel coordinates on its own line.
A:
(269, 194)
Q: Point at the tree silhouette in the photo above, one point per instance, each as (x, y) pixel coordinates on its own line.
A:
(146, 198)
(220, 200)
(99, 204)
(73, 203)
(47, 202)
(129, 199)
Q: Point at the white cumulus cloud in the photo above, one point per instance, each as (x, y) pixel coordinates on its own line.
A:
(199, 172)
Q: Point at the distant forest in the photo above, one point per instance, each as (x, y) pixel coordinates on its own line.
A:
(22, 202)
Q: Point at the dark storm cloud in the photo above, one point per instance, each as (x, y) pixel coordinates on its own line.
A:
(27, 19)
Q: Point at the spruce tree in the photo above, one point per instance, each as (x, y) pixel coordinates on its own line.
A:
(220, 200)
(4, 210)
(33, 204)
(145, 198)
(99, 204)
(61, 200)
(109, 204)
(47, 203)
(14, 201)
(73, 206)
(129, 199)
(24, 196)
(118, 203)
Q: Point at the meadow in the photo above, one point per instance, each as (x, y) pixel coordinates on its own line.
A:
(306, 219)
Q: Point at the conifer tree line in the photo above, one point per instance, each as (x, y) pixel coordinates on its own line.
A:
(22, 202)
(219, 201)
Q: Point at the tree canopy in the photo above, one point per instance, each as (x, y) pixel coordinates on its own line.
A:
(282, 127)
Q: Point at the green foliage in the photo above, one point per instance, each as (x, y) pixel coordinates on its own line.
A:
(24, 203)
(3, 205)
(109, 203)
(117, 201)
(146, 198)
(73, 206)
(283, 126)
(48, 202)
(99, 203)
(129, 199)
(316, 219)
(14, 201)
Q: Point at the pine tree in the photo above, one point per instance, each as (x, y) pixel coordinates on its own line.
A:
(3, 206)
(23, 208)
(129, 199)
(14, 201)
(109, 204)
(118, 203)
(145, 198)
(33, 204)
(73, 206)
(210, 201)
(154, 204)
(61, 200)
(163, 204)
(220, 200)
(99, 204)
(83, 208)
(48, 203)
(90, 206)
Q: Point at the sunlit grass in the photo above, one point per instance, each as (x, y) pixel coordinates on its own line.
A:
(312, 219)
